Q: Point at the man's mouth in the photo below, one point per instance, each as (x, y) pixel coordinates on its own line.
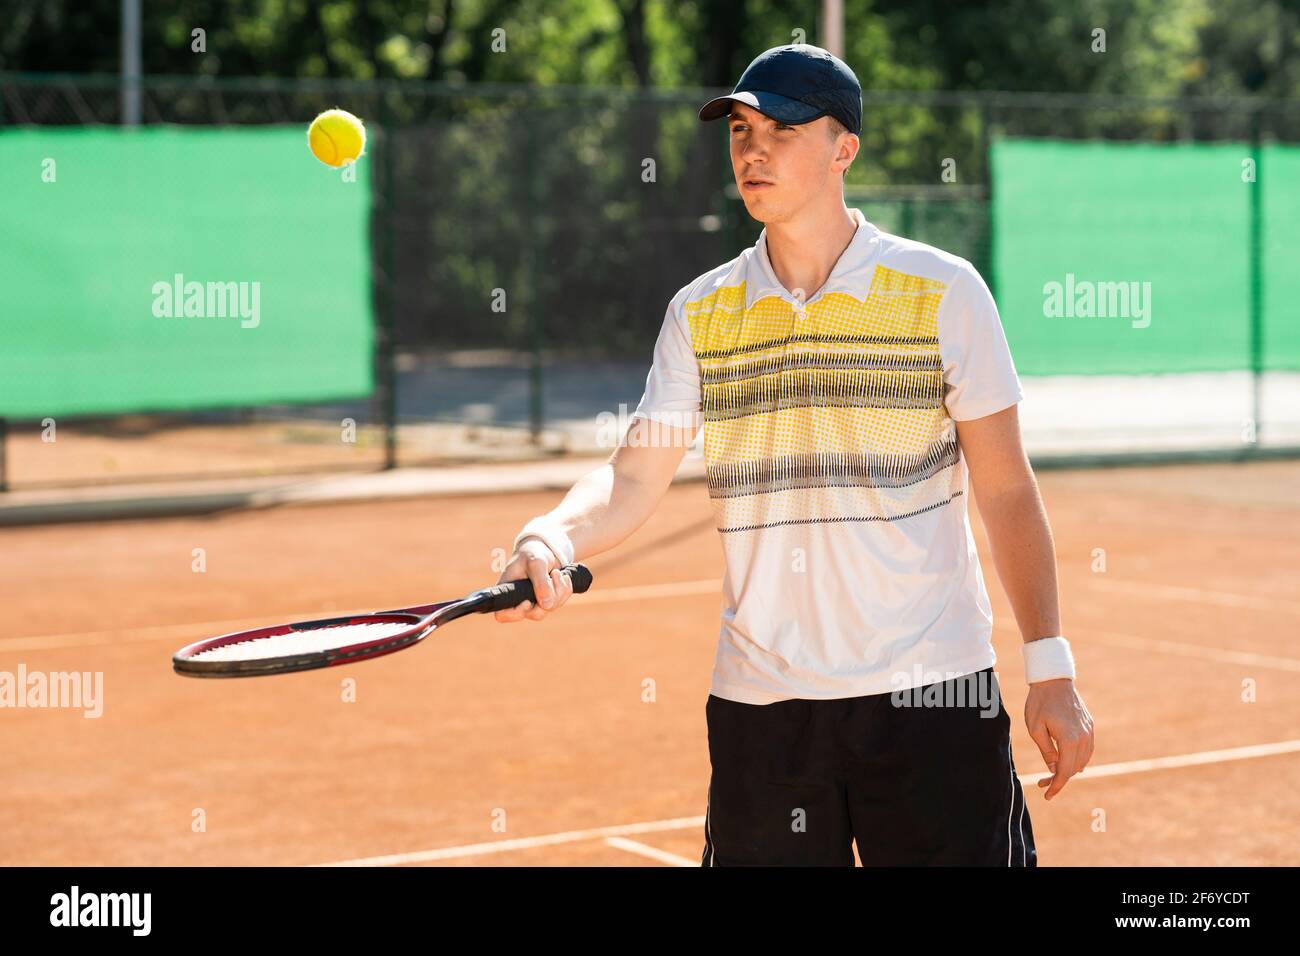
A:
(757, 184)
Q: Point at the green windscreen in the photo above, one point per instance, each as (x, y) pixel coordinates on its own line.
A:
(268, 250)
(1136, 258)
(1279, 178)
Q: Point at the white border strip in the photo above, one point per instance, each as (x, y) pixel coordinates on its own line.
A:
(524, 843)
(641, 849)
(1183, 649)
(1182, 760)
(135, 635)
(710, 586)
(1202, 595)
(640, 592)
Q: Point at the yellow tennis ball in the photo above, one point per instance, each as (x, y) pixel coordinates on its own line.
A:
(336, 137)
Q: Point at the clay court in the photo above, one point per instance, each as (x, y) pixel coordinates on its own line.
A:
(1185, 644)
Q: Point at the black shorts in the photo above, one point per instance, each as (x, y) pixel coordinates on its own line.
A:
(797, 782)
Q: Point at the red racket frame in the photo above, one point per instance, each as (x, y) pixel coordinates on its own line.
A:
(183, 661)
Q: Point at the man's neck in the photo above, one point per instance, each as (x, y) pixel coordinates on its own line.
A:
(803, 251)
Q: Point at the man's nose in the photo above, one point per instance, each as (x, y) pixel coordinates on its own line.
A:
(756, 147)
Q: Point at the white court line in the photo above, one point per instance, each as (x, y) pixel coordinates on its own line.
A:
(1190, 650)
(1182, 760)
(135, 635)
(1180, 648)
(1199, 595)
(663, 856)
(608, 595)
(524, 843)
(639, 592)
(644, 592)
(686, 823)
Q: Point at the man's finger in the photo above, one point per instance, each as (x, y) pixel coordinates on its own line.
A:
(509, 615)
(1066, 767)
(539, 575)
(1043, 738)
(1085, 753)
(563, 585)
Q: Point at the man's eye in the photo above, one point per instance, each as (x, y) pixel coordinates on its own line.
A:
(783, 126)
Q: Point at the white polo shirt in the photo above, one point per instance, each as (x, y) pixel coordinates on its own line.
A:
(837, 483)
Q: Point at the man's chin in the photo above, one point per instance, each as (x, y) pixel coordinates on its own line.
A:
(759, 210)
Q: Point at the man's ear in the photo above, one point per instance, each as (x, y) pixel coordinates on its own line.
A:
(848, 150)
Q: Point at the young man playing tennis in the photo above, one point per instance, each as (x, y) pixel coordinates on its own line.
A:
(851, 385)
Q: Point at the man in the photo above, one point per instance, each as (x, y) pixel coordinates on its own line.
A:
(849, 383)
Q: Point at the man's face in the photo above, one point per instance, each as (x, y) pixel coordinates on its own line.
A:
(780, 168)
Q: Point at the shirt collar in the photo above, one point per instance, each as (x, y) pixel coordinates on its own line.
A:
(858, 252)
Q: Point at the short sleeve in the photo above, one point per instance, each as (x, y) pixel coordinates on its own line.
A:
(978, 372)
(672, 389)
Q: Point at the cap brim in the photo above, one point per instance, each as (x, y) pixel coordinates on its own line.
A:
(772, 105)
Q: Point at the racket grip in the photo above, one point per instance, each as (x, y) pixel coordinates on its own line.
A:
(513, 593)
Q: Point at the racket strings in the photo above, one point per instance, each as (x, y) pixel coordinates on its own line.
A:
(330, 637)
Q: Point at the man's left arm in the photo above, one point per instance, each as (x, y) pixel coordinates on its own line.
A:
(1020, 540)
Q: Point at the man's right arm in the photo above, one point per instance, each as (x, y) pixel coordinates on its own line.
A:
(601, 510)
(605, 506)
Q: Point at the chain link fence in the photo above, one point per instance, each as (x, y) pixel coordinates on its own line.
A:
(526, 241)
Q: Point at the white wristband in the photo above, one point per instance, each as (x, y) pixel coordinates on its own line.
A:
(1048, 658)
(551, 534)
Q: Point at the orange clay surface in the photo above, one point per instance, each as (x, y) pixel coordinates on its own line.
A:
(532, 744)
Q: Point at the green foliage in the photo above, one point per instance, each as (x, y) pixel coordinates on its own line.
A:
(1153, 47)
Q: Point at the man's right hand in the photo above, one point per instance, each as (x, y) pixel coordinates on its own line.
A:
(536, 562)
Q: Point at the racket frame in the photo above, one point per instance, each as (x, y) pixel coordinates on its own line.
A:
(422, 618)
(421, 626)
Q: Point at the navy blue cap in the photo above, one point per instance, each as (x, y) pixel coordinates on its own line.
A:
(795, 84)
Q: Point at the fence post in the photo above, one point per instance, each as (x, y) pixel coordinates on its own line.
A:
(986, 155)
(386, 345)
(130, 37)
(531, 272)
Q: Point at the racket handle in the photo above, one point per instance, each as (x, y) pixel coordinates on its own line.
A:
(513, 593)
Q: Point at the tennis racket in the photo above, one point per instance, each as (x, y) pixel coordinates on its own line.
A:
(306, 645)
